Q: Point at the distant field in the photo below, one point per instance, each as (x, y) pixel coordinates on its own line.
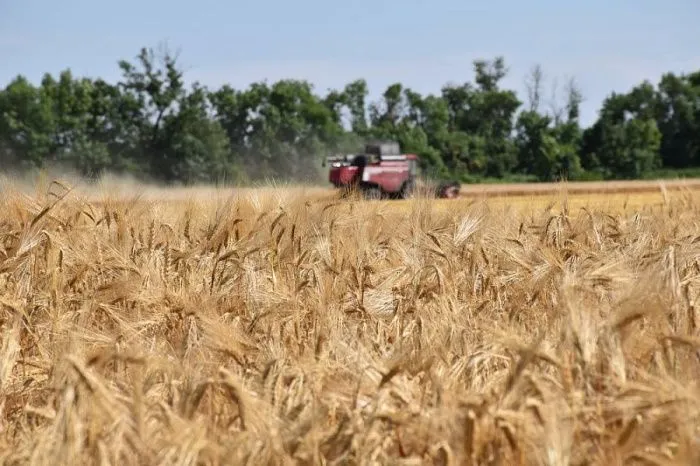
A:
(121, 187)
(614, 202)
(581, 187)
(617, 196)
(633, 194)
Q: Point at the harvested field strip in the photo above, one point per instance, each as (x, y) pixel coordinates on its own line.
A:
(587, 187)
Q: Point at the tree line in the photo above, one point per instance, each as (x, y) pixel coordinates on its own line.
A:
(149, 124)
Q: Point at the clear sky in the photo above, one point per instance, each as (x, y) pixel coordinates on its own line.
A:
(605, 45)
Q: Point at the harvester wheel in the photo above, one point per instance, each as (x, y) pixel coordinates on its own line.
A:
(448, 190)
(372, 193)
(408, 189)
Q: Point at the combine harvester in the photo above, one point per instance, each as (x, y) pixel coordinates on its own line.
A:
(381, 172)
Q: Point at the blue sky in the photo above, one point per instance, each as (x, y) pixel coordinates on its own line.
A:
(604, 45)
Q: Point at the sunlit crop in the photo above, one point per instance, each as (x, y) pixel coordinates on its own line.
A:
(284, 326)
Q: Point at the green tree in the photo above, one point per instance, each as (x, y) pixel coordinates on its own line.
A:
(679, 119)
(625, 141)
(548, 144)
(484, 114)
(151, 124)
(27, 125)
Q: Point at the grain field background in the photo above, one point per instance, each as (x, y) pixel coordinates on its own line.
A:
(282, 326)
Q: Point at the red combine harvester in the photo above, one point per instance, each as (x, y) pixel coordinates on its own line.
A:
(382, 171)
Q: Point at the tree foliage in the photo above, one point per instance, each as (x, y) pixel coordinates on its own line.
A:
(151, 124)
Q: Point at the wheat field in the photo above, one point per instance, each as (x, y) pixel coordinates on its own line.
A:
(282, 326)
